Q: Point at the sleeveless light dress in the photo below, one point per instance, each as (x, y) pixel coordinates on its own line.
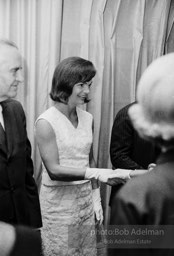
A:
(67, 207)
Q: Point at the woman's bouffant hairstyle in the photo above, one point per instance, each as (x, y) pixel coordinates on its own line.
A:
(69, 72)
(153, 115)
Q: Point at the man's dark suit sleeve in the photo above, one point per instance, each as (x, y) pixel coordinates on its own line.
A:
(122, 141)
(31, 188)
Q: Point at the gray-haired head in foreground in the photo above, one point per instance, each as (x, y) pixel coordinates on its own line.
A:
(153, 115)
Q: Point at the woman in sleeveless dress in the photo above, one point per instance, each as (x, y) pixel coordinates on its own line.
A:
(70, 193)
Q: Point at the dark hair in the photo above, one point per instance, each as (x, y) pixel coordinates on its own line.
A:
(69, 72)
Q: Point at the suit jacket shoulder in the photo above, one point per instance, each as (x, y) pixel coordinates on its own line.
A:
(13, 105)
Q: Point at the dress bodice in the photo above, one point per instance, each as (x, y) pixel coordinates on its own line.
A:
(73, 144)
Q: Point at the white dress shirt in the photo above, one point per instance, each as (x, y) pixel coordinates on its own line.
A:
(1, 117)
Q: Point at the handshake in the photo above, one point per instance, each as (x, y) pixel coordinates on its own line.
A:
(108, 176)
(115, 177)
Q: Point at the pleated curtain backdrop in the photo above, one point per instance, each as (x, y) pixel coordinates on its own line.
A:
(121, 37)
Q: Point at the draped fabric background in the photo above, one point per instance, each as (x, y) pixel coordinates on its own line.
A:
(121, 37)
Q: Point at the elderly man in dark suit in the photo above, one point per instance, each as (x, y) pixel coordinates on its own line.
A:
(19, 201)
(149, 199)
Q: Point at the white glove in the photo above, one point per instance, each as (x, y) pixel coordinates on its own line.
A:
(97, 205)
(108, 176)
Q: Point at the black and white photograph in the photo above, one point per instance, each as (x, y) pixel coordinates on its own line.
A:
(86, 127)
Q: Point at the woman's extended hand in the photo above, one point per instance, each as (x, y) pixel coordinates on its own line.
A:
(108, 176)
